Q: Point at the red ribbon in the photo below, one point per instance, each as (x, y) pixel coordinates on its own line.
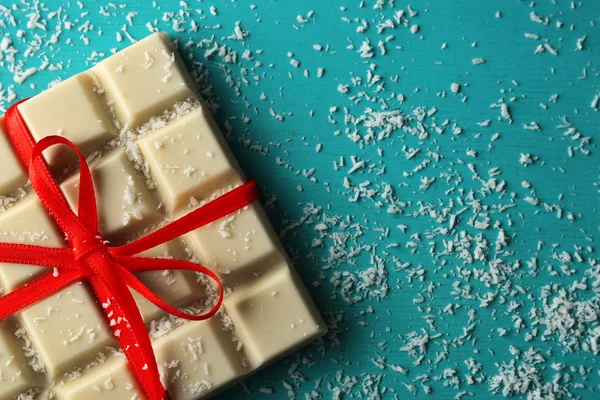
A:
(108, 270)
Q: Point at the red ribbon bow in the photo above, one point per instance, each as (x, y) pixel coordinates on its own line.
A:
(109, 270)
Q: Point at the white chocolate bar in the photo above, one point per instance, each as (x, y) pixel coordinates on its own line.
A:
(189, 158)
(66, 328)
(109, 379)
(236, 245)
(275, 303)
(18, 376)
(71, 109)
(144, 80)
(157, 154)
(198, 358)
(13, 174)
(26, 222)
(124, 203)
(178, 288)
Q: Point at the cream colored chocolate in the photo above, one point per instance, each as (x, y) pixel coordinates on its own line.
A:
(26, 222)
(110, 379)
(177, 288)
(157, 155)
(240, 243)
(198, 358)
(18, 376)
(13, 174)
(67, 328)
(124, 203)
(144, 80)
(71, 109)
(189, 158)
(275, 303)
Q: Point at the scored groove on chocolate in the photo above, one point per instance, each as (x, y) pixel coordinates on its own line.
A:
(156, 154)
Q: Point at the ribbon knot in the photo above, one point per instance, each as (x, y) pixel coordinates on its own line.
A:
(108, 270)
(90, 243)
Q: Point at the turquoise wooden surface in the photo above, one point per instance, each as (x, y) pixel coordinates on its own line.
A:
(363, 356)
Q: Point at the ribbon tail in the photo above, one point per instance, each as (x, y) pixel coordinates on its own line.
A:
(160, 264)
(130, 331)
(16, 253)
(212, 211)
(35, 291)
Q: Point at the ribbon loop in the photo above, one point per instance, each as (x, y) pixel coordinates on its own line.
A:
(133, 264)
(52, 197)
(109, 270)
